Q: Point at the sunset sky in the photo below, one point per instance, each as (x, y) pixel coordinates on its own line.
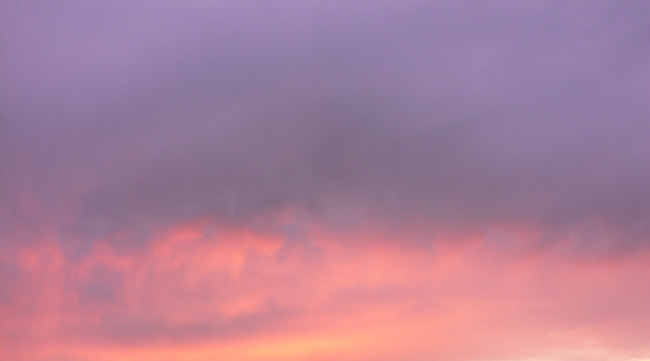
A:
(324, 180)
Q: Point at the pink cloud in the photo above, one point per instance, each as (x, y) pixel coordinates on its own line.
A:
(197, 293)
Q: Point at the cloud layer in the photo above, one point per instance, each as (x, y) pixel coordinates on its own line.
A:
(392, 130)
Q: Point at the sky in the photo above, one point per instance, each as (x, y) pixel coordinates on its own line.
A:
(324, 180)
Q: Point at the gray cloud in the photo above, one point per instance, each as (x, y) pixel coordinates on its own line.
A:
(459, 116)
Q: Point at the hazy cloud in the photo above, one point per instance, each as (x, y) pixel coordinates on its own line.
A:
(455, 116)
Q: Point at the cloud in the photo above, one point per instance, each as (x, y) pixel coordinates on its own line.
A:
(298, 180)
(238, 293)
(458, 117)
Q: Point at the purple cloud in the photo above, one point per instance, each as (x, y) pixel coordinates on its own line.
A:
(134, 116)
